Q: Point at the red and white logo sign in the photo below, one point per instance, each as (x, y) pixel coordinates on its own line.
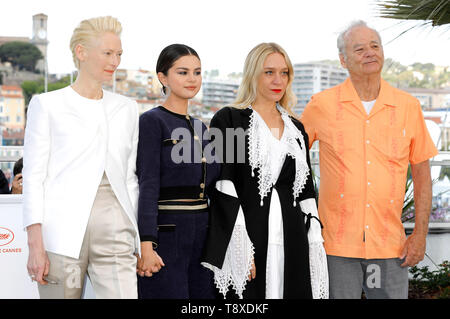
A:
(6, 236)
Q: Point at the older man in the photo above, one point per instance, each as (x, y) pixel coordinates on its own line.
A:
(368, 133)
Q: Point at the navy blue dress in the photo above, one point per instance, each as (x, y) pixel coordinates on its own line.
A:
(175, 172)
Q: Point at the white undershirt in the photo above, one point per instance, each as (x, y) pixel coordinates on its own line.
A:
(368, 105)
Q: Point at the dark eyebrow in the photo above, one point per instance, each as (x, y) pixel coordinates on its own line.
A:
(186, 69)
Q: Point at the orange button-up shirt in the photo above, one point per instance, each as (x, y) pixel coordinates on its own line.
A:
(363, 166)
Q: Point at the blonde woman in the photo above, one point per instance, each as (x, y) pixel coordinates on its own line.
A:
(265, 236)
(80, 188)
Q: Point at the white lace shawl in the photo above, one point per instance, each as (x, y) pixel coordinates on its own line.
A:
(240, 251)
(258, 150)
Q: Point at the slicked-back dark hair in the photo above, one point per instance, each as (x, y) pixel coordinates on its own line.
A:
(169, 55)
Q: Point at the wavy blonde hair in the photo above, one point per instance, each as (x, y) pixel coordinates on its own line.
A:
(90, 29)
(253, 67)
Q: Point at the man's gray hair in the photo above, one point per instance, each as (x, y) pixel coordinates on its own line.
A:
(343, 35)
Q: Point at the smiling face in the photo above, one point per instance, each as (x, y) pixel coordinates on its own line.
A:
(364, 52)
(101, 57)
(184, 78)
(273, 80)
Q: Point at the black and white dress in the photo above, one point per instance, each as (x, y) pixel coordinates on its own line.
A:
(264, 209)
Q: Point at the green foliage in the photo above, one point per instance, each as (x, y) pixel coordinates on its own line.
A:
(416, 75)
(432, 281)
(434, 12)
(36, 87)
(408, 202)
(21, 55)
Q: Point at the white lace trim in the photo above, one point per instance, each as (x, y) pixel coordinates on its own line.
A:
(258, 153)
(318, 270)
(237, 263)
(318, 266)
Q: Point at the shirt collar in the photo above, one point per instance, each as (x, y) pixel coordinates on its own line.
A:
(386, 95)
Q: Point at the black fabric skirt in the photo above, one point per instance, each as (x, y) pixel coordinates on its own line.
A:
(182, 229)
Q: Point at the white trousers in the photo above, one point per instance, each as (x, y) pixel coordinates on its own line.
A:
(107, 255)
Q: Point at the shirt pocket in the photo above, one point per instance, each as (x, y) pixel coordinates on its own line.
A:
(393, 143)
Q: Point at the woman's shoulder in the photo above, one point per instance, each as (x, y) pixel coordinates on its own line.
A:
(53, 95)
(231, 114)
(50, 101)
(116, 97)
(153, 112)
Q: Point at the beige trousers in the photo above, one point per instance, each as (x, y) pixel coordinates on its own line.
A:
(107, 255)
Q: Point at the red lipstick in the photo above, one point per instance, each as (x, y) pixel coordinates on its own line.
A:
(276, 90)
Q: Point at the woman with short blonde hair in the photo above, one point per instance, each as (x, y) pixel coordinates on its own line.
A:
(89, 30)
(80, 187)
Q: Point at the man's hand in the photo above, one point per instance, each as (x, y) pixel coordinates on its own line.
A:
(415, 245)
(413, 250)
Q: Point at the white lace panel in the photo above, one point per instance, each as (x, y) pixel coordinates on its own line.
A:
(237, 264)
(319, 271)
(317, 256)
(239, 255)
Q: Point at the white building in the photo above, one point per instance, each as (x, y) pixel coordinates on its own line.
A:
(431, 98)
(312, 78)
(219, 92)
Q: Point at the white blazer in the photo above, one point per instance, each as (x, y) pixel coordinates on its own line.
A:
(70, 141)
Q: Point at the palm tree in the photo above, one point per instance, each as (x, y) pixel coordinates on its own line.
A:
(434, 12)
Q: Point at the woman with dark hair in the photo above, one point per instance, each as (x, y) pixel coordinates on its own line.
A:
(174, 172)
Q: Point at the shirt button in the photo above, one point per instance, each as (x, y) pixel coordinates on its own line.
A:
(187, 117)
(367, 142)
(368, 183)
(174, 141)
(201, 195)
(368, 162)
(203, 159)
(367, 226)
(368, 205)
(367, 121)
(392, 201)
(202, 185)
(342, 195)
(195, 137)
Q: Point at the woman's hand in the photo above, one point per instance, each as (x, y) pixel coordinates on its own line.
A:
(38, 264)
(150, 262)
(252, 271)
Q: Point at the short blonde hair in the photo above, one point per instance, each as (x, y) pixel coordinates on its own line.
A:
(253, 67)
(90, 29)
